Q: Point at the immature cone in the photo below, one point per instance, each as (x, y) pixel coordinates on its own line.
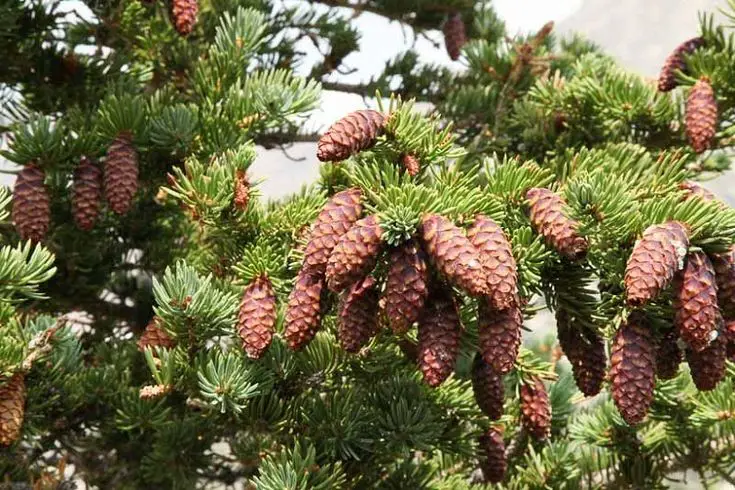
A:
(707, 367)
(303, 312)
(406, 286)
(439, 333)
(724, 265)
(184, 13)
(454, 35)
(12, 409)
(256, 319)
(155, 336)
(550, 221)
(692, 189)
(675, 61)
(633, 369)
(353, 133)
(358, 316)
(335, 218)
(31, 204)
(536, 409)
(701, 115)
(668, 355)
(453, 254)
(492, 456)
(497, 259)
(355, 254)
(241, 193)
(586, 353)
(487, 386)
(696, 314)
(121, 173)
(655, 259)
(500, 336)
(87, 194)
(411, 164)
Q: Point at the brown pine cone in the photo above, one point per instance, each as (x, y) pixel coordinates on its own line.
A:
(256, 319)
(633, 369)
(729, 333)
(536, 409)
(655, 259)
(701, 115)
(353, 133)
(675, 61)
(500, 336)
(184, 13)
(358, 317)
(668, 355)
(696, 314)
(337, 216)
(241, 193)
(12, 408)
(406, 286)
(121, 173)
(355, 254)
(439, 333)
(707, 367)
(303, 312)
(492, 456)
(155, 336)
(31, 204)
(453, 254)
(487, 386)
(454, 35)
(550, 221)
(411, 164)
(87, 194)
(724, 265)
(586, 353)
(693, 189)
(497, 259)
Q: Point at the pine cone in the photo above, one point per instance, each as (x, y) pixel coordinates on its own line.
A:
(453, 254)
(487, 386)
(675, 61)
(701, 115)
(586, 353)
(500, 336)
(707, 367)
(696, 314)
(633, 367)
(87, 194)
(536, 409)
(256, 319)
(121, 173)
(241, 193)
(406, 286)
(497, 259)
(184, 14)
(454, 35)
(492, 456)
(724, 265)
(655, 259)
(155, 336)
(12, 409)
(668, 355)
(355, 254)
(439, 333)
(358, 317)
(303, 313)
(31, 204)
(692, 189)
(729, 333)
(337, 216)
(551, 222)
(411, 164)
(353, 133)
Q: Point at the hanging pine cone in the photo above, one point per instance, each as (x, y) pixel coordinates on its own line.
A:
(155, 336)
(31, 204)
(707, 367)
(454, 35)
(335, 218)
(655, 259)
(241, 193)
(411, 164)
(12, 408)
(353, 133)
(492, 456)
(724, 265)
(500, 336)
(668, 355)
(439, 333)
(358, 317)
(256, 319)
(675, 61)
(87, 194)
(121, 173)
(701, 115)
(536, 409)
(487, 386)
(633, 369)
(355, 254)
(453, 254)
(692, 189)
(406, 286)
(585, 350)
(184, 13)
(303, 312)
(497, 259)
(696, 314)
(729, 333)
(550, 221)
